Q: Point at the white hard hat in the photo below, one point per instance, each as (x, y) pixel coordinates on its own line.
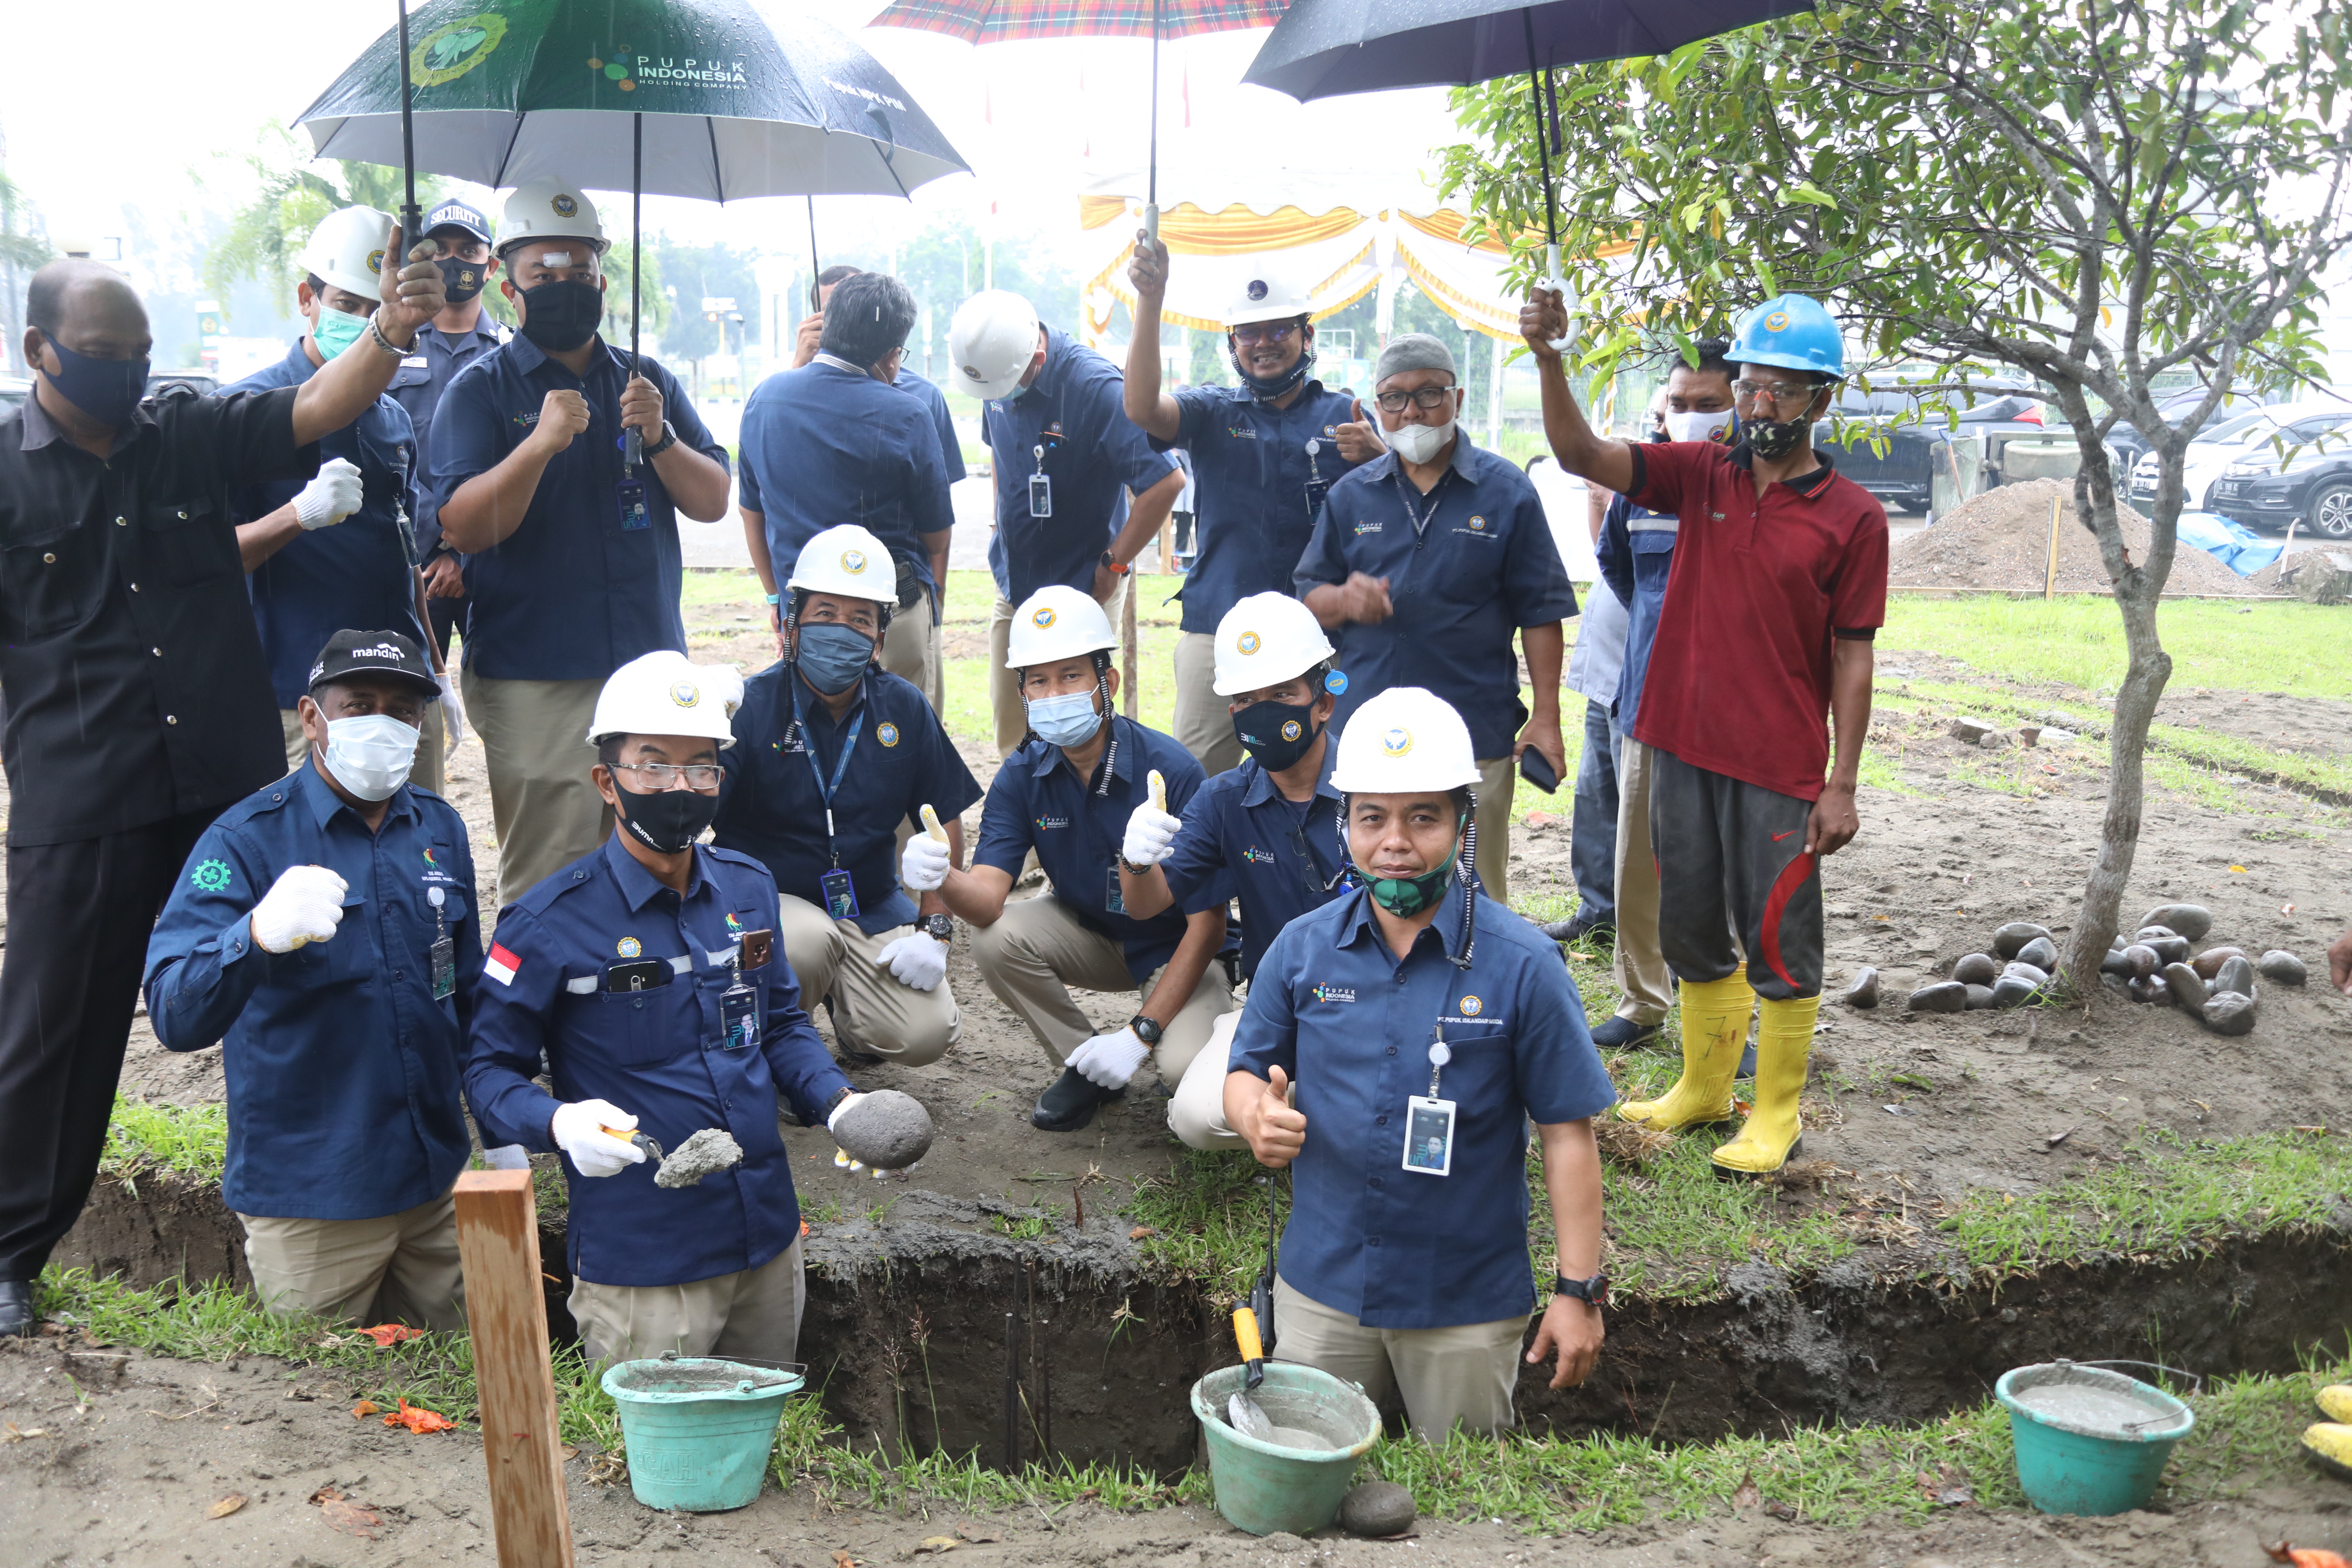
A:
(662, 693)
(846, 560)
(1058, 623)
(1264, 640)
(347, 249)
(1402, 740)
(1266, 300)
(991, 343)
(550, 209)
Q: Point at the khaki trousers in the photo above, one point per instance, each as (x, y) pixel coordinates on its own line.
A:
(1443, 1378)
(1640, 971)
(754, 1314)
(1037, 950)
(910, 650)
(543, 806)
(1204, 725)
(431, 754)
(872, 1011)
(1197, 1114)
(399, 1269)
(1004, 685)
(1498, 777)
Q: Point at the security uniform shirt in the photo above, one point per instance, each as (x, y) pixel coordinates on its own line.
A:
(572, 593)
(1076, 827)
(433, 361)
(1738, 682)
(772, 803)
(361, 571)
(1334, 1009)
(1093, 455)
(1283, 859)
(1636, 555)
(925, 391)
(344, 1067)
(549, 983)
(135, 685)
(826, 444)
(1479, 564)
(1252, 477)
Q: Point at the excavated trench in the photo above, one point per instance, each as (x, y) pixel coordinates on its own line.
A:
(922, 1334)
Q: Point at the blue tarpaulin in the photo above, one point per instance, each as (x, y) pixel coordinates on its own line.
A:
(2233, 544)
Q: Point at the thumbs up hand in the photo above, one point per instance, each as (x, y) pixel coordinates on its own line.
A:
(1276, 1132)
(1359, 441)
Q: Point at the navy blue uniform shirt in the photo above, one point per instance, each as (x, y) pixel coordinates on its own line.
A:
(1636, 555)
(1481, 565)
(925, 391)
(658, 1053)
(771, 803)
(1281, 857)
(423, 375)
(1334, 1009)
(343, 1068)
(1076, 827)
(823, 446)
(361, 571)
(1251, 474)
(1093, 455)
(570, 594)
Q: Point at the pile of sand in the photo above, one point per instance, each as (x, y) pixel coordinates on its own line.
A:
(2000, 538)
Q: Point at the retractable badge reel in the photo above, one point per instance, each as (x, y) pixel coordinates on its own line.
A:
(1317, 487)
(1429, 1121)
(1041, 489)
(441, 958)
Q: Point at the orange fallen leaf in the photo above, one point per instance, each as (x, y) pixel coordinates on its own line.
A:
(843, 1560)
(226, 1506)
(343, 1514)
(387, 1335)
(804, 1223)
(1140, 1232)
(2304, 1556)
(416, 1418)
(365, 1408)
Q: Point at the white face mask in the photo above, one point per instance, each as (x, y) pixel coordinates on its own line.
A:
(1418, 443)
(370, 755)
(1698, 427)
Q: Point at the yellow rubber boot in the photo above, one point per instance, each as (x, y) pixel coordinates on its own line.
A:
(2328, 1445)
(1714, 1034)
(1784, 1040)
(2336, 1402)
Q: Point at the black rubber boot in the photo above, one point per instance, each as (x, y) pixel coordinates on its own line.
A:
(17, 1315)
(1577, 929)
(1070, 1103)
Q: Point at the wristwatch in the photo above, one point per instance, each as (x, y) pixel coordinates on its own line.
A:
(1145, 1029)
(1113, 567)
(940, 928)
(669, 439)
(1594, 1292)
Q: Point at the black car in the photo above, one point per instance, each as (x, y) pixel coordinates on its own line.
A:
(2305, 477)
(1904, 476)
(205, 382)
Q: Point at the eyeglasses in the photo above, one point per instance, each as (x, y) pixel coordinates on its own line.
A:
(1422, 397)
(701, 776)
(1250, 337)
(1779, 394)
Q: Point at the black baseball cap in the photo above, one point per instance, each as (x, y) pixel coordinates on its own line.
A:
(461, 215)
(349, 653)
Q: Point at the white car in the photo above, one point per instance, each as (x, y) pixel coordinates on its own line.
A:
(2219, 446)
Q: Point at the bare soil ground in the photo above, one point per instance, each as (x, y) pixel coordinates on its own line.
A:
(2000, 538)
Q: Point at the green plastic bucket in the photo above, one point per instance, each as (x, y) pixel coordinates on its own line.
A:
(2089, 1441)
(1266, 1486)
(698, 1430)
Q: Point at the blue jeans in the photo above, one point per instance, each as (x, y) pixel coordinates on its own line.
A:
(1592, 832)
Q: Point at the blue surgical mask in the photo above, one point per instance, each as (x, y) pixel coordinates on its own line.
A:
(336, 330)
(1069, 719)
(831, 657)
(106, 390)
(371, 755)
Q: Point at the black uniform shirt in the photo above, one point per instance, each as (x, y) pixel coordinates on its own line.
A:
(134, 680)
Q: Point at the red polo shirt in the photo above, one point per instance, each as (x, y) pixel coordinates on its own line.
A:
(1740, 674)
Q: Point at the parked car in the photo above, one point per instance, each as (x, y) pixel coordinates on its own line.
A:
(2127, 440)
(2305, 477)
(204, 382)
(13, 394)
(1904, 476)
(2220, 445)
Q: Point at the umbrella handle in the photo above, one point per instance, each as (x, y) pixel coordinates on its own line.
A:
(1552, 280)
(1151, 223)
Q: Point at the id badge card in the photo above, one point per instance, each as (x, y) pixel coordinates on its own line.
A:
(634, 513)
(840, 896)
(738, 1018)
(1041, 494)
(443, 958)
(1111, 899)
(1429, 1136)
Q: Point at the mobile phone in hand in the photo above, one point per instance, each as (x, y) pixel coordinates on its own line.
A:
(1536, 768)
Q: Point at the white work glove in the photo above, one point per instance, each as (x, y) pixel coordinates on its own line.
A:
(1150, 836)
(918, 961)
(1108, 1061)
(579, 1131)
(334, 496)
(923, 864)
(841, 1159)
(453, 712)
(305, 904)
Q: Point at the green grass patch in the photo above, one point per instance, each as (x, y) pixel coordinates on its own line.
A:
(188, 1140)
(2295, 649)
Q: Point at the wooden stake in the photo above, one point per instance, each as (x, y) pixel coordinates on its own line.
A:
(1126, 645)
(2050, 582)
(497, 1245)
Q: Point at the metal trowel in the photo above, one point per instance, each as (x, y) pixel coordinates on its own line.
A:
(1242, 1409)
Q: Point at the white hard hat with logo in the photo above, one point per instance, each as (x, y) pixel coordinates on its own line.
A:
(849, 561)
(991, 343)
(550, 209)
(1266, 300)
(347, 249)
(1055, 623)
(1402, 739)
(664, 693)
(1264, 640)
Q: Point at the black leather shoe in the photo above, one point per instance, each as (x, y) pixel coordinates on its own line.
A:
(17, 1315)
(1624, 1035)
(1070, 1103)
(1576, 929)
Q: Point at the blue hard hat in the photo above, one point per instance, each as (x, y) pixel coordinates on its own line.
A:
(1792, 331)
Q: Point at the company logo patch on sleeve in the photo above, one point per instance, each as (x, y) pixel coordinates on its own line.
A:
(502, 965)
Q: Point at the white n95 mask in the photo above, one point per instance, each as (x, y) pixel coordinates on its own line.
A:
(371, 755)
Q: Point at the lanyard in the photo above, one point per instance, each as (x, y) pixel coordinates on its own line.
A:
(826, 792)
(1404, 494)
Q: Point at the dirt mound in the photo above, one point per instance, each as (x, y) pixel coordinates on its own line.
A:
(2000, 538)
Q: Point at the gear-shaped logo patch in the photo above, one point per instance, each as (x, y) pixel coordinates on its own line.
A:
(212, 875)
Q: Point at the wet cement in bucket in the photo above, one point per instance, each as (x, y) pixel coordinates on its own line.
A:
(2083, 1407)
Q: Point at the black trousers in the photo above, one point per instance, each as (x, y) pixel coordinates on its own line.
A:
(80, 915)
(447, 615)
(1735, 884)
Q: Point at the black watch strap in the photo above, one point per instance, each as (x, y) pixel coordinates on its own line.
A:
(669, 439)
(940, 928)
(1594, 1291)
(1145, 1029)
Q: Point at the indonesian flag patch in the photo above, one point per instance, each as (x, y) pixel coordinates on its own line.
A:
(502, 965)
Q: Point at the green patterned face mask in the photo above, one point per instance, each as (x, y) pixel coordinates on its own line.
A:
(1406, 897)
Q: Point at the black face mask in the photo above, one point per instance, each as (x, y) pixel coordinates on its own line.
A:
(462, 279)
(667, 821)
(560, 316)
(107, 390)
(1773, 440)
(1266, 388)
(1276, 733)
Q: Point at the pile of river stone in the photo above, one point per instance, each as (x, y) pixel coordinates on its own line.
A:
(2154, 965)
